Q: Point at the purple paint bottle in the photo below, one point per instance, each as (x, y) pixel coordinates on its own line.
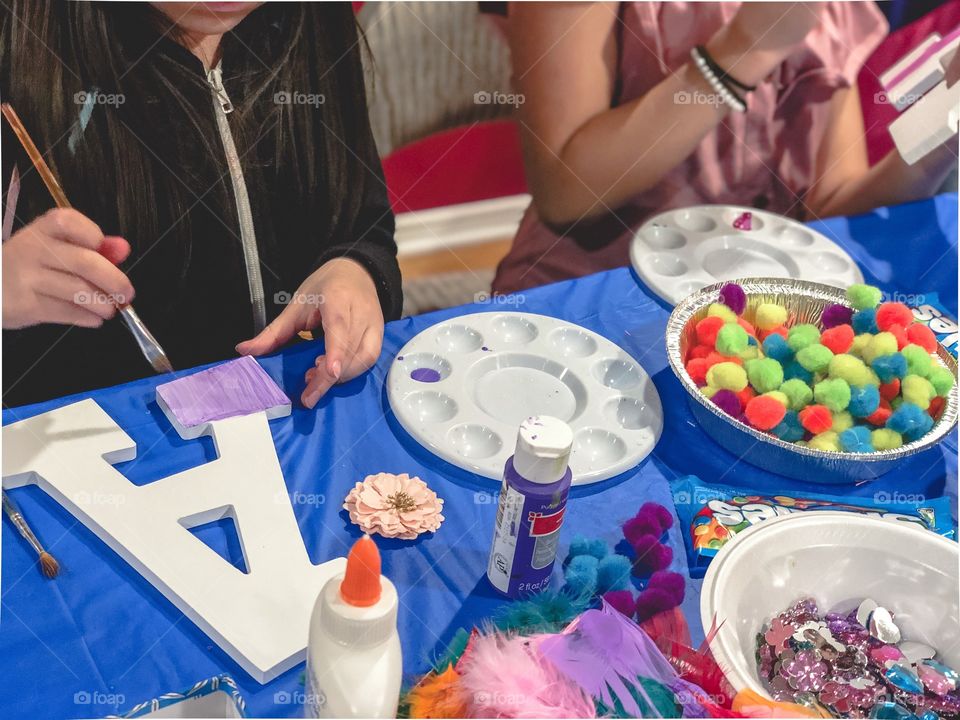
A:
(533, 499)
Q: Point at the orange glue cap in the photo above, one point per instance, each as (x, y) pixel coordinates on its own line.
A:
(361, 581)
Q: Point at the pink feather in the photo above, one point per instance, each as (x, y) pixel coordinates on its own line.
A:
(506, 677)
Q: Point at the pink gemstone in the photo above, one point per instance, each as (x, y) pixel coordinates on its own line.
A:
(884, 653)
(744, 221)
(934, 681)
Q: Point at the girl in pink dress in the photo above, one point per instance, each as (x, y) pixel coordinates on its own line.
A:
(619, 123)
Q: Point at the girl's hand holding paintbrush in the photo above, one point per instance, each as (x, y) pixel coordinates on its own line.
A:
(61, 268)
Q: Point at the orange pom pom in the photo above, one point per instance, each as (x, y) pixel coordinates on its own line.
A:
(778, 330)
(751, 330)
(923, 336)
(707, 330)
(838, 338)
(881, 414)
(746, 395)
(900, 334)
(816, 419)
(888, 391)
(936, 407)
(697, 370)
(893, 313)
(714, 357)
(765, 413)
(699, 351)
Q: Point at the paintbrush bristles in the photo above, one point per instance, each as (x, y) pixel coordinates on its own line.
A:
(49, 565)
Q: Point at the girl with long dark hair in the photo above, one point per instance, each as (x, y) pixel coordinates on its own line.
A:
(223, 173)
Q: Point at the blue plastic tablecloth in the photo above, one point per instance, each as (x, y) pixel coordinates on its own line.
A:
(100, 638)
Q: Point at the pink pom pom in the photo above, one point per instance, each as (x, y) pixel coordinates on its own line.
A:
(669, 582)
(653, 601)
(652, 555)
(651, 519)
(621, 600)
(660, 512)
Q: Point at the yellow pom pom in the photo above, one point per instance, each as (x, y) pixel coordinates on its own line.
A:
(727, 376)
(769, 316)
(721, 311)
(828, 441)
(880, 344)
(852, 369)
(859, 343)
(885, 439)
(708, 392)
(917, 390)
(780, 397)
(752, 352)
(842, 421)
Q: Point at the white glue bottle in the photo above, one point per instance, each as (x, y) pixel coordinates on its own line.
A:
(354, 665)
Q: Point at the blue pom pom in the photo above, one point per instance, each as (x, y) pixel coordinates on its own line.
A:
(613, 573)
(774, 346)
(790, 429)
(910, 421)
(581, 575)
(863, 400)
(890, 367)
(582, 545)
(796, 370)
(865, 321)
(856, 439)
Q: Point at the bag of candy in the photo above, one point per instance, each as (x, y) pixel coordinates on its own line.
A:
(710, 515)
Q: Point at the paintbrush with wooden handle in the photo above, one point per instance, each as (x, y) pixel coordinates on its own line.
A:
(48, 564)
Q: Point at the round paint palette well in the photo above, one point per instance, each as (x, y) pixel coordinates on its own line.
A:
(462, 387)
(678, 252)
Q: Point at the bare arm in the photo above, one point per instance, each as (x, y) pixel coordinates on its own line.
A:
(846, 185)
(584, 157)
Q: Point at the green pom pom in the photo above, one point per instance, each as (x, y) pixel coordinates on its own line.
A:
(751, 353)
(765, 374)
(798, 393)
(732, 339)
(941, 379)
(863, 297)
(842, 421)
(721, 311)
(880, 344)
(885, 439)
(919, 361)
(834, 393)
(917, 390)
(852, 369)
(769, 316)
(815, 358)
(727, 376)
(828, 441)
(800, 336)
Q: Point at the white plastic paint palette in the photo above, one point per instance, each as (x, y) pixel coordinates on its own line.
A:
(681, 251)
(462, 387)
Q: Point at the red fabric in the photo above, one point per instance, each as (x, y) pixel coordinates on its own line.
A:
(878, 113)
(475, 162)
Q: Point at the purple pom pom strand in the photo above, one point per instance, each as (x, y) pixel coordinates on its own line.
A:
(669, 582)
(659, 512)
(728, 401)
(733, 296)
(652, 555)
(621, 600)
(653, 601)
(836, 314)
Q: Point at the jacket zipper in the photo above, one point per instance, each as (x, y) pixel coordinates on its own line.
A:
(248, 237)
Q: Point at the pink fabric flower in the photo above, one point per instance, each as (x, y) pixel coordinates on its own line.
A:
(395, 506)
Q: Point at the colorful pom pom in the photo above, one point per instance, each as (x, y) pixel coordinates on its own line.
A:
(900, 333)
(728, 401)
(864, 400)
(751, 330)
(815, 358)
(764, 374)
(727, 376)
(890, 367)
(731, 339)
(865, 321)
(910, 421)
(890, 390)
(697, 370)
(707, 330)
(884, 343)
(856, 439)
(789, 429)
(582, 545)
(769, 316)
(941, 379)
(816, 419)
(842, 420)
(885, 439)
(834, 315)
(764, 412)
(721, 311)
(651, 555)
(778, 330)
(919, 361)
(936, 407)
(839, 338)
(833, 393)
(851, 369)
(799, 394)
(779, 397)
(581, 575)
(828, 441)
(863, 296)
(733, 296)
(795, 371)
(893, 313)
(881, 414)
(699, 351)
(775, 347)
(859, 343)
(800, 336)
(923, 336)
(613, 573)
(622, 601)
(917, 390)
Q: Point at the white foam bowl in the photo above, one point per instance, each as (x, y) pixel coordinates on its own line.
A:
(831, 557)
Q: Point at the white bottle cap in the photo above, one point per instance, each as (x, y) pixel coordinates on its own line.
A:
(543, 449)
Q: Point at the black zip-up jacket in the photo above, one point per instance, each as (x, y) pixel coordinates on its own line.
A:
(201, 310)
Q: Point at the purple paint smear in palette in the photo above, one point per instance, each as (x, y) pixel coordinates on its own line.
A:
(237, 387)
(425, 374)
